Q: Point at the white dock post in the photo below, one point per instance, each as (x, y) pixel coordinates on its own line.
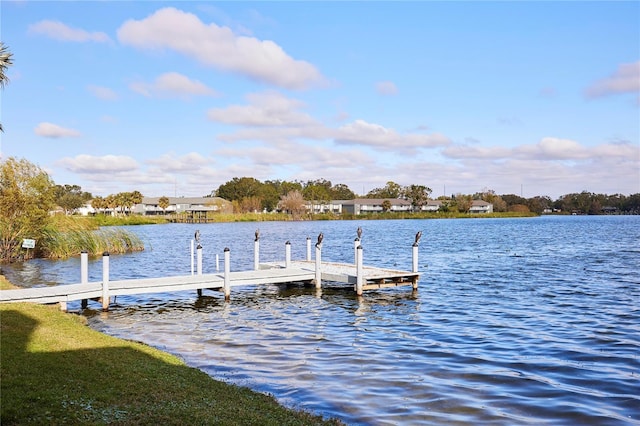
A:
(415, 264)
(359, 271)
(105, 281)
(84, 274)
(287, 254)
(217, 262)
(318, 263)
(356, 244)
(227, 272)
(256, 254)
(308, 249)
(192, 253)
(199, 265)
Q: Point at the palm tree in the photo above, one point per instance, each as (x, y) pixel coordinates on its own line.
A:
(5, 62)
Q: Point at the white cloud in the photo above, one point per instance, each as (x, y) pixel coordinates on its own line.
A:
(361, 132)
(59, 31)
(626, 79)
(106, 164)
(103, 93)
(386, 88)
(219, 47)
(50, 130)
(188, 163)
(172, 84)
(264, 109)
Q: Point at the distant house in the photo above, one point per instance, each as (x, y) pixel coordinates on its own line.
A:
(193, 205)
(375, 205)
(480, 206)
(333, 206)
(432, 206)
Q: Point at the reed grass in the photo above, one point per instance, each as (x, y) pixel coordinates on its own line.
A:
(68, 236)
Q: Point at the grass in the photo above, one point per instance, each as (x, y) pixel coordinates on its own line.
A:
(67, 236)
(54, 369)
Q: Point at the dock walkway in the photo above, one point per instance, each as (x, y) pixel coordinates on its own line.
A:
(300, 271)
(269, 273)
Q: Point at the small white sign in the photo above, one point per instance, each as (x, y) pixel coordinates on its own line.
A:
(28, 243)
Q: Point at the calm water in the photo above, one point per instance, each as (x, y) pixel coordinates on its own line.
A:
(516, 321)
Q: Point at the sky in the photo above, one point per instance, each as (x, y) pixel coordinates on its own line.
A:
(178, 98)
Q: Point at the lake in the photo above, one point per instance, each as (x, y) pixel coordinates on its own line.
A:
(516, 321)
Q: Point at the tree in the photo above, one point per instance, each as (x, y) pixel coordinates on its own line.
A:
(390, 190)
(99, 203)
(238, 188)
(71, 197)
(341, 191)
(317, 191)
(463, 202)
(418, 194)
(293, 203)
(386, 205)
(5, 61)
(26, 198)
(163, 202)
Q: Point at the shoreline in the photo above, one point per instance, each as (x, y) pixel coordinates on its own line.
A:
(80, 375)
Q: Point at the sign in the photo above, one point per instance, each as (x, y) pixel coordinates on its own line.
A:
(28, 243)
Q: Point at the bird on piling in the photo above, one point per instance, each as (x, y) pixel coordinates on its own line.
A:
(418, 236)
(320, 238)
(257, 234)
(197, 236)
(359, 232)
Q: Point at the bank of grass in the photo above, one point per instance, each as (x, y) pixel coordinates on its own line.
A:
(67, 236)
(54, 369)
(132, 219)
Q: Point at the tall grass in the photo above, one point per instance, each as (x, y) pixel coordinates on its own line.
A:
(68, 236)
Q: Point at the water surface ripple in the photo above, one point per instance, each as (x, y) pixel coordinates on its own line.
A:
(516, 321)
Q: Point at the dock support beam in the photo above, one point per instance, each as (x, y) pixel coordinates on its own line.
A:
(105, 281)
(318, 264)
(308, 249)
(84, 274)
(359, 271)
(227, 273)
(287, 254)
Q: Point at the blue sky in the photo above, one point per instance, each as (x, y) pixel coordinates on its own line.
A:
(177, 98)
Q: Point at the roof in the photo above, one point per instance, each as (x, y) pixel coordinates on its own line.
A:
(184, 200)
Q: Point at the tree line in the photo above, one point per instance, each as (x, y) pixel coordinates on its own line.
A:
(249, 194)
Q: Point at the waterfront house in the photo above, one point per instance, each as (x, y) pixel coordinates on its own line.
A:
(375, 205)
(195, 206)
(480, 206)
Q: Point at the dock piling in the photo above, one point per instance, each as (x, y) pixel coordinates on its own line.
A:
(105, 281)
(84, 274)
(308, 249)
(256, 254)
(199, 256)
(359, 271)
(227, 274)
(318, 265)
(192, 254)
(287, 254)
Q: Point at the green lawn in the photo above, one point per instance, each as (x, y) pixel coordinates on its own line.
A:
(56, 370)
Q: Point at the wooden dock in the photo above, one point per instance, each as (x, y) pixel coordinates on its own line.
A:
(357, 275)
